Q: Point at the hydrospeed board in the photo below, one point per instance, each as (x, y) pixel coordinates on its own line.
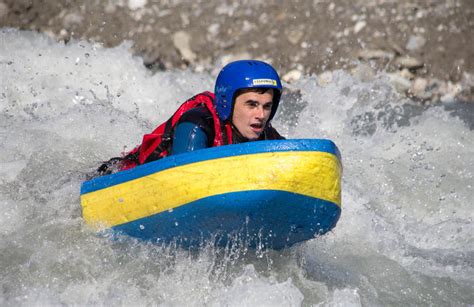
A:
(271, 193)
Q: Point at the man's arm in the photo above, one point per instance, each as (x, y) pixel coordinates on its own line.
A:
(188, 137)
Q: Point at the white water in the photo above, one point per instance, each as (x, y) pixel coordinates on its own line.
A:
(405, 235)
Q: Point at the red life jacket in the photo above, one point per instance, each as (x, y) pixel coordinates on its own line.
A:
(157, 143)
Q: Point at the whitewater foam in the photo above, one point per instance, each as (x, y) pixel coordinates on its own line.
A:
(405, 235)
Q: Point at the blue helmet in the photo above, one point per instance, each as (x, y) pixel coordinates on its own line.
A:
(245, 74)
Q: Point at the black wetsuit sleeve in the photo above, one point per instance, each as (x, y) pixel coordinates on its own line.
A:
(188, 137)
(201, 118)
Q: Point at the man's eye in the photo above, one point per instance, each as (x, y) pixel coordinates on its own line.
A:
(267, 107)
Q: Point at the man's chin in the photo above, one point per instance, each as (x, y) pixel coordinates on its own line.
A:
(253, 136)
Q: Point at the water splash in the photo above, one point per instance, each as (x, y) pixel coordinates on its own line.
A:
(405, 236)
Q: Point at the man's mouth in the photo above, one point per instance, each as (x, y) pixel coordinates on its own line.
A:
(257, 127)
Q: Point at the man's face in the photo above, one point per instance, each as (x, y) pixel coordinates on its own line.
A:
(251, 113)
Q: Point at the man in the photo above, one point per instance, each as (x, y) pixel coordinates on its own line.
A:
(247, 94)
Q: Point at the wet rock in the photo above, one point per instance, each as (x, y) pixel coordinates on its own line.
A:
(325, 78)
(467, 87)
(458, 68)
(71, 20)
(363, 72)
(281, 16)
(409, 62)
(199, 68)
(400, 83)
(247, 26)
(434, 90)
(435, 32)
(181, 41)
(152, 61)
(110, 8)
(235, 57)
(263, 18)
(467, 79)
(226, 59)
(415, 43)
(371, 54)
(451, 91)
(136, 4)
(213, 29)
(292, 75)
(63, 35)
(419, 89)
(397, 49)
(52, 35)
(3, 10)
(294, 36)
(359, 26)
(405, 73)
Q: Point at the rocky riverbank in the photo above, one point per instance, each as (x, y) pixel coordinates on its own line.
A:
(423, 45)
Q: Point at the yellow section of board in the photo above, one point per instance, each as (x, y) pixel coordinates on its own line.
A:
(314, 174)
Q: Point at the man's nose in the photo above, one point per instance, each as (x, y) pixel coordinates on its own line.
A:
(259, 113)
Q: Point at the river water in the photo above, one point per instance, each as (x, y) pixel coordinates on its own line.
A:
(405, 236)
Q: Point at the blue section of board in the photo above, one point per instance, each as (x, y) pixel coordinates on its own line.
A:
(269, 218)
